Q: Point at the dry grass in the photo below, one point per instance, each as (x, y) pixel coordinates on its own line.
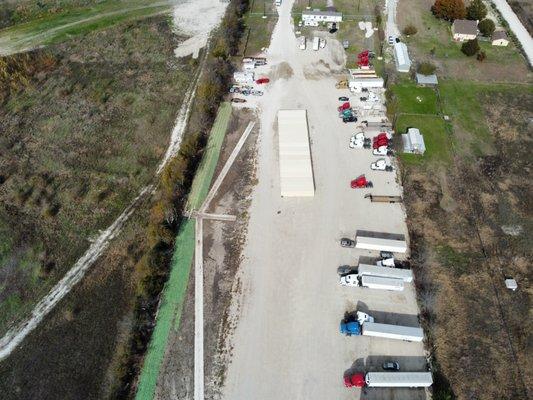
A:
(480, 332)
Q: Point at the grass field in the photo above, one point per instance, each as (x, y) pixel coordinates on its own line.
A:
(433, 42)
(258, 29)
(90, 125)
(457, 212)
(171, 305)
(75, 21)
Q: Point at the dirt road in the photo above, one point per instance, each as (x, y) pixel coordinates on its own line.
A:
(286, 344)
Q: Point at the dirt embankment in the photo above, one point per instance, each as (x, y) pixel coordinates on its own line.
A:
(470, 226)
(222, 251)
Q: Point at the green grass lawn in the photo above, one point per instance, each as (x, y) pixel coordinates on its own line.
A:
(169, 314)
(436, 137)
(54, 28)
(414, 99)
(259, 30)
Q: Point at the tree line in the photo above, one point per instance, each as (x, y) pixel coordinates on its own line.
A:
(175, 182)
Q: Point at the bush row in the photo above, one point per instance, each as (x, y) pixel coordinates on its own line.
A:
(165, 216)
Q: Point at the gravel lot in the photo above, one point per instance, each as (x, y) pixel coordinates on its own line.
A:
(286, 344)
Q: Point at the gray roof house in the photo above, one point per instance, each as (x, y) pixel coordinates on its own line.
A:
(464, 29)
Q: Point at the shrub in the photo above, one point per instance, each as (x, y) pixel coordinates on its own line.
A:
(470, 47)
(476, 10)
(481, 56)
(449, 10)
(410, 30)
(486, 27)
(426, 68)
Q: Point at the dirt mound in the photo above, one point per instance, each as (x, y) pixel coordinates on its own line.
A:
(281, 71)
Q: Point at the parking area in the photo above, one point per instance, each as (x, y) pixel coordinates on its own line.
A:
(287, 343)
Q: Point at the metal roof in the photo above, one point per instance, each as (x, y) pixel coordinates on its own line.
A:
(296, 171)
(319, 12)
(426, 79)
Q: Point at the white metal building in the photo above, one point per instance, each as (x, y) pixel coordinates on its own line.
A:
(413, 142)
(295, 165)
(357, 84)
(313, 17)
(403, 62)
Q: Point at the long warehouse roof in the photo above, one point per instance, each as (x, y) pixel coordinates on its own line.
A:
(296, 170)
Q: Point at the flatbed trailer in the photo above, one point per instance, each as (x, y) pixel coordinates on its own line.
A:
(383, 199)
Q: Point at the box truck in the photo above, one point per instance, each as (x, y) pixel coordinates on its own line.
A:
(302, 43)
(389, 379)
(386, 272)
(316, 43)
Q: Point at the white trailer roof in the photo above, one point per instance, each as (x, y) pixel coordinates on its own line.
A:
(389, 272)
(400, 332)
(399, 379)
(295, 167)
(379, 282)
(372, 243)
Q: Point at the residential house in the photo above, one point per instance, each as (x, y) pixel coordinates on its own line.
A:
(499, 38)
(464, 29)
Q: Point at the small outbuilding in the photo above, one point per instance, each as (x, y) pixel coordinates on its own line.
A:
(401, 56)
(464, 29)
(413, 142)
(426, 80)
(499, 38)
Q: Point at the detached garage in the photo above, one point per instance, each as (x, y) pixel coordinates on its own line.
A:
(295, 167)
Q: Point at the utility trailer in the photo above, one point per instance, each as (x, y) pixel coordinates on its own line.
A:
(383, 199)
(389, 379)
(373, 243)
(405, 275)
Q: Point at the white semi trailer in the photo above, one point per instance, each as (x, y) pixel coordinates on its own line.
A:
(372, 243)
(386, 272)
(379, 282)
(364, 325)
(408, 333)
(389, 379)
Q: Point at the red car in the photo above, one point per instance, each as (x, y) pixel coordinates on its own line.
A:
(360, 182)
(344, 106)
(260, 81)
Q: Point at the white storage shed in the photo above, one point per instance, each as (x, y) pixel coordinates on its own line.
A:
(401, 57)
(295, 165)
(413, 142)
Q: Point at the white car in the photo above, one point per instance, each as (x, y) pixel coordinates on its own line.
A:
(381, 165)
(349, 280)
(382, 151)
